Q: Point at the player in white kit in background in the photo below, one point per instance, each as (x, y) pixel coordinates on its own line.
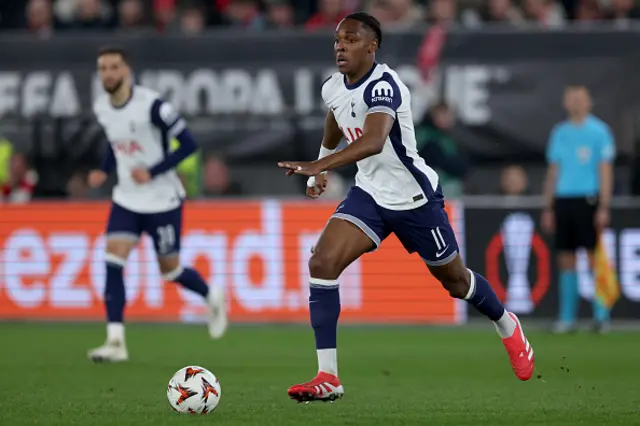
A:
(148, 197)
(395, 192)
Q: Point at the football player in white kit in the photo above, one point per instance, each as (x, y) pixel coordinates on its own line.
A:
(148, 197)
(395, 192)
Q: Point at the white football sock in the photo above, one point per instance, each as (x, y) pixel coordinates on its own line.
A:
(328, 361)
(505, 325)
(115, 332)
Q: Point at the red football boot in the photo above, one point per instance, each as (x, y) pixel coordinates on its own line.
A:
(520, 352)
(325, 387)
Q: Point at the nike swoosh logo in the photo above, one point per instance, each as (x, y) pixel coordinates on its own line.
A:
(439, 254)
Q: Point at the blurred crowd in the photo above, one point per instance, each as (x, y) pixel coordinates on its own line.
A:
(46, 17)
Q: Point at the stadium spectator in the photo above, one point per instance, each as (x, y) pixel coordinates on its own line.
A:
(330, 13)
(6, 151)
(22, 180)
(442, 12)
(130, 14)
(40, 20)
(404, 14)
(588, 11)
(514, 181)
(164, 15)
(382, 10)
(244, 14)
(91, 15)
(440, 151)
(622, 12)
(546, 13)
(280, 15)
(192, 21)
(494, 12)
(216, 179)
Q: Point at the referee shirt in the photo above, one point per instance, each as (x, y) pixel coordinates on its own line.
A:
(578, 149)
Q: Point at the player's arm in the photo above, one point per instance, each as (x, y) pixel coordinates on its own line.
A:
(98, 177)
(168, 121)
(383, 98)
(332, 133)
(607, 156)
(109, 160)
(374, 135)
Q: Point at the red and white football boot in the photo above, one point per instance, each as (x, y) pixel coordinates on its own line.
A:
(520, 352)
(325, 387)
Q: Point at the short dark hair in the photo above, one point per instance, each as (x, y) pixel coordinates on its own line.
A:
(114, 50)
(368, 21)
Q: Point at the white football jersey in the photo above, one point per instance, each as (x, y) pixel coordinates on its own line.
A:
(397, 178)
(139, 133)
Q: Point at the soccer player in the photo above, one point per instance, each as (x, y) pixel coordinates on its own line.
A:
(577, 193)
(148, 197)
(395, 192)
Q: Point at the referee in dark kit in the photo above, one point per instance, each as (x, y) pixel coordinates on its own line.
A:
(577, 196)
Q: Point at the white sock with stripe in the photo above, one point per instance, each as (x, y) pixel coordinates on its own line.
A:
(505, 325)
(328, 361)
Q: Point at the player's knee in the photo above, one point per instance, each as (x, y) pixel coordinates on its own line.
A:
(119, 248)
(113, 260)
(324, 264)
(457, 283)
(169, 265)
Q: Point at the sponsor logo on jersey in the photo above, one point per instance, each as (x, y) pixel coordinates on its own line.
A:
(127, 147)
(382, 92)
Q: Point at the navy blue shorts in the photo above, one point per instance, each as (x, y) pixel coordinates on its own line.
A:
(425, 230)
(164, 228)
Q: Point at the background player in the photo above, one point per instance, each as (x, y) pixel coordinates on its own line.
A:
(148, 197)
(577, 194)
(395, 192)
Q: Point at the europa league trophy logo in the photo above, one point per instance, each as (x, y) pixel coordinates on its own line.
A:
(517, 233)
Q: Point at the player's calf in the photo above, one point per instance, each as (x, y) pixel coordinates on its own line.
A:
(114, 349)
(465, 284)
(190, 278)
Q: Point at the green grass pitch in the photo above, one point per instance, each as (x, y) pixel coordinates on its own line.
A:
(392, 376)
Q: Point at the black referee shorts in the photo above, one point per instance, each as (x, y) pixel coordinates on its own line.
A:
(575, 223)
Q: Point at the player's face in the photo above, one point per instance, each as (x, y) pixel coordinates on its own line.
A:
(113, 72)
(352, 45)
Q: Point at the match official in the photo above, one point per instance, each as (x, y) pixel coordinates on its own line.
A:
(577, 196)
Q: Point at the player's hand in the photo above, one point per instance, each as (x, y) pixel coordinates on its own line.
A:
(547, 221)
(305, 168)
(602, 218)
(96, 178)
(141, 175)
(318, 187)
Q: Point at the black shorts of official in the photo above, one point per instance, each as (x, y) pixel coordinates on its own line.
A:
(575, 223)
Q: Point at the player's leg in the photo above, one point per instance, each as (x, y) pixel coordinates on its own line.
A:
(353, 230)
(427, 231)
(123, 231)
(566, 244)
(165, 229)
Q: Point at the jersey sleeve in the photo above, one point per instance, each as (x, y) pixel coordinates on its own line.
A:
(553, 147)
(383, 95)
(607, 147)
(324, 90)
(166, 118)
